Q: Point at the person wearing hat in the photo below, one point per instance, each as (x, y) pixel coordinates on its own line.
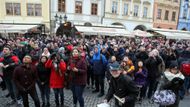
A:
(122, 87)
(173, 80)
(25, 77)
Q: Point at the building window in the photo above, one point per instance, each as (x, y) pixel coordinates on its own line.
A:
(13, 9)
(173, 16)
(34, 9)
(94, 9)
(114, 7)
(159, 13)
(166, 15)
(145, 12)
(78, 7)
(136, 9)
(126, 9)
(61, 5)
(184, 13)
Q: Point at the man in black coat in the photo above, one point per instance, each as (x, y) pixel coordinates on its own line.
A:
(122, 88)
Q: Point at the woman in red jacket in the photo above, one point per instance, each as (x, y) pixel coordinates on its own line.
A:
(58, 68)
(78, 69)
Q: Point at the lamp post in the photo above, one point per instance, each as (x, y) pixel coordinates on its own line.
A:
(65, 18)
(58, 18)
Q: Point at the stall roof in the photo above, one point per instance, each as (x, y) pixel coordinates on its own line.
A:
(173, 34)
(13, 28)
(140, 33)
(100, 30)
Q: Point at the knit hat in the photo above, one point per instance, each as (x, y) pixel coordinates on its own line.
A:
(173, 65)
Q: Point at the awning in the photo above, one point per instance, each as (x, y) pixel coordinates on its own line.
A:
(173, 34)
(11, 28)
(102, 30)
(140, 33)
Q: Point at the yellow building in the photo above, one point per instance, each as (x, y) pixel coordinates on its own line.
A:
(25, 12)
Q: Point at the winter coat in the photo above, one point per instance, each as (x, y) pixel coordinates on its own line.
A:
(99, 64)
(12, 61)
(141, 77)
(43, 73)
(25, 77)
(152, 67)
(142, 56)
(123, 87)
(56, 77)
(172, 82)
(80, 77)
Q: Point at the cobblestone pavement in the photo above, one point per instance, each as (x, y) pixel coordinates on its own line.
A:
(91, 100)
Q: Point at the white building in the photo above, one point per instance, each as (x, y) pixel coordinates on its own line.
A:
(133, 14)
(129, 13)
(78, 11)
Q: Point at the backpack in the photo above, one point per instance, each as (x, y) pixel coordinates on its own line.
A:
(185, 68)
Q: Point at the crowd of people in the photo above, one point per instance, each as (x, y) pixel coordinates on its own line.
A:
(133, 68)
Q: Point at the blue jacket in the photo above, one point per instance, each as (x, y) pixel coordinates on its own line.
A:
(99, 63)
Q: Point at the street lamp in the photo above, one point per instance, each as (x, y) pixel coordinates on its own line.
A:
(58, 18)
(65, 18)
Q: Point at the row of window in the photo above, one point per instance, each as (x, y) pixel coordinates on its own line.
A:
(78, 7)
(15, 9)
(166, 16)
(126, 9)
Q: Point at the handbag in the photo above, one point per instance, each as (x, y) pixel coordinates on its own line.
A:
(164, 97)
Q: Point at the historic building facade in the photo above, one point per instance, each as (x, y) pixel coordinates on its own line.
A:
(166, 14)
(24, 12)
(133, 14)
(77, 11)
(184, 16)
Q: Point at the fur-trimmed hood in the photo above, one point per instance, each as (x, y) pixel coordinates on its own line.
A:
(170, 76)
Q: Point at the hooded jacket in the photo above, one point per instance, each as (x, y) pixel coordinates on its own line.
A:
(99, 63)
(172, 82)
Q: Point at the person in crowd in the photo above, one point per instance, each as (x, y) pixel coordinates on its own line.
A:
(142, 54)
(90, 75)
(58, 69)
(141, 79)
(105, 52)
(99, 68)
(152, 64)
(63, 55)
(173, 80)
(78, 67)
(25, 77)
(35, 53)
(122, 87)
(46, 52)
(128, 67)
(111, 62)
(130, 52)
(43, 81)
(8, 64)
